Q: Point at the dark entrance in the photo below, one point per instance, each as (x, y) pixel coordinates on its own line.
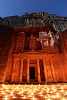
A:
(32, 72)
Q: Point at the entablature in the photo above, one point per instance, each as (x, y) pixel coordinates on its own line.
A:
(32, 55)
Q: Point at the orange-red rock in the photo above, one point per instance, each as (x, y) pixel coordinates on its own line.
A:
(35, 54)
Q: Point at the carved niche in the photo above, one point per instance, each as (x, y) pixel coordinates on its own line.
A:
(32, 42)
(20, 39)
(44, 39)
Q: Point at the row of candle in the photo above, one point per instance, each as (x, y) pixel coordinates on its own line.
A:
(33, 92)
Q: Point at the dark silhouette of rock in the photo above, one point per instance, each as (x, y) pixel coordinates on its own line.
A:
(36, 19)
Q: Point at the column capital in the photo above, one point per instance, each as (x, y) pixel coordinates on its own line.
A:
(28, 59)
(16, 58)
(38, 60)
(22, 59)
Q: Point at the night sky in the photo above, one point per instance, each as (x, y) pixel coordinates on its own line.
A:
(20, 7)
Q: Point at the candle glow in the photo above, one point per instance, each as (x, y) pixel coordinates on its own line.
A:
(34, 92)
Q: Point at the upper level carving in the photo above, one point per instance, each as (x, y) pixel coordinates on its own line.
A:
(44, 41)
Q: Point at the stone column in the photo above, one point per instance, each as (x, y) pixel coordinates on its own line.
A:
(62, 69)
(52, 66)
(45, 70)
(38, 69)
(21, 70)
(12, 77)
(16, 71)
(27, 70)
(63, 79)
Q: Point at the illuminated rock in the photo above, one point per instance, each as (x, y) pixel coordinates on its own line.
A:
(33, 55)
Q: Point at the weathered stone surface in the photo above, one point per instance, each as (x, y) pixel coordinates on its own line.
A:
(36, 19)
(20, 50)
(5, 43)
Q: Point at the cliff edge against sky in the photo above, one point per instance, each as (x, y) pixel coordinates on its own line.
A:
(36, 19)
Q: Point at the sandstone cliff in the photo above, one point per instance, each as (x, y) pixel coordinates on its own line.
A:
(36, 19)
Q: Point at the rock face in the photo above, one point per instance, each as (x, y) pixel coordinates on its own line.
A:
(5, 42)
(36, 19)
(37, 57)
(35, 47)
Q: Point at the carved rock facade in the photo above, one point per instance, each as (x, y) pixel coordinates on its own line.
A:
(34, 54)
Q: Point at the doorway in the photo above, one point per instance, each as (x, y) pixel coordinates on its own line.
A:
(32, 73)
